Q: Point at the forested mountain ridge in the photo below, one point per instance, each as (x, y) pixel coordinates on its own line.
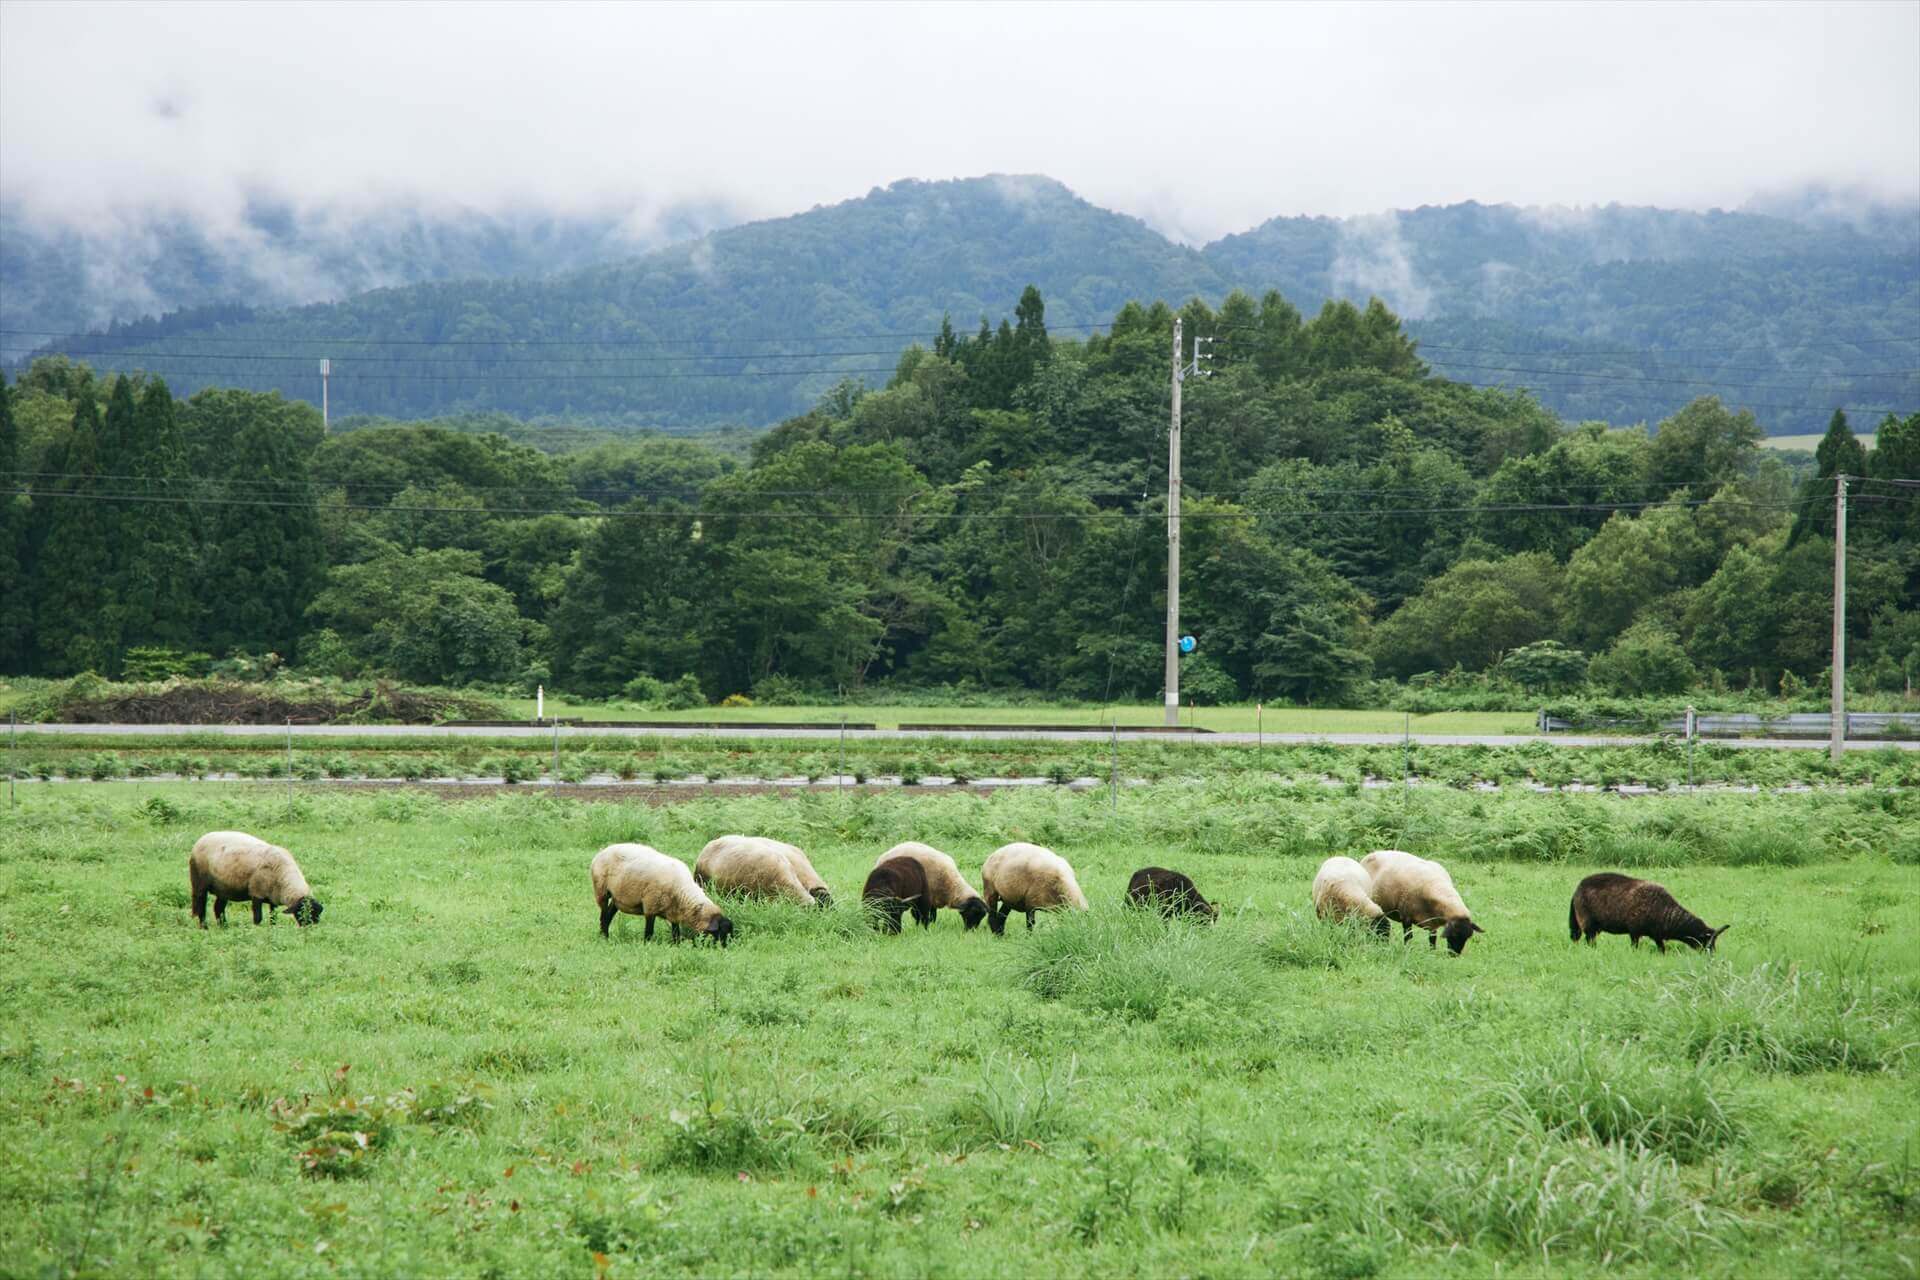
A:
(1620, 314)
(58, 278)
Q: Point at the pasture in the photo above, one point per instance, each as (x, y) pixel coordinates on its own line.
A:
(454, 1074)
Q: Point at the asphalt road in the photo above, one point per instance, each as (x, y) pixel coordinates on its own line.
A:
(1038, 735)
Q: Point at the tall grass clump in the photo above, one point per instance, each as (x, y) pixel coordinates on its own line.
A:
(1016, 1104)
(1133, 964)
(1614, 1097)
(731, 1125)
(1780, 1018)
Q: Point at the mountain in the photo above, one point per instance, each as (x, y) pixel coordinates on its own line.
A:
(1615, 313)
(57, 278)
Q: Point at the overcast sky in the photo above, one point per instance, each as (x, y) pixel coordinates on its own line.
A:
(1203, 120)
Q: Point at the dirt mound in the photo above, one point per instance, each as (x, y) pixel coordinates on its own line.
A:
(234, 702)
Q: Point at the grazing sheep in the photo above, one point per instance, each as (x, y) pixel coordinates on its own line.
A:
(1342, 890)
(1169, 891)
(1414, 892)
(946, 887)
(1613, 903)
(642, 881)
(236, 867)
(1026, 877)
(761, 867)
(896, 885)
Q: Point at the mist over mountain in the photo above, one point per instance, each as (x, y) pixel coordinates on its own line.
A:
(1806, 300)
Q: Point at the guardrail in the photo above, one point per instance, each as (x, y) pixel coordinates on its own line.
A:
(1859, 726)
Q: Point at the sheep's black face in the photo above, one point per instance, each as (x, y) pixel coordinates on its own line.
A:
(1384, 927)
(719, 929)
(1458, 931)
(306, 911)
(1703, 938)
(973, 911)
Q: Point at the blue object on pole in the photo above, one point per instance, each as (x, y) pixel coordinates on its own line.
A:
(1188, 644)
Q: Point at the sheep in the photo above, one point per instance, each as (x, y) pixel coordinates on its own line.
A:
(1414, 892)
(1026, 877)
(1170, 891)
(1342, 890)
(1612, 903)
(234, 866)
(764, 868)
(896, 885)
(642, 881)
(946, 887)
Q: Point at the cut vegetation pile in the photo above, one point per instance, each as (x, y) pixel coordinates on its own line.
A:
(91, 700)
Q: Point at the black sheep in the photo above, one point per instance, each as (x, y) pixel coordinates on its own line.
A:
(897, 885)
(1612, 903)
(1172, 892)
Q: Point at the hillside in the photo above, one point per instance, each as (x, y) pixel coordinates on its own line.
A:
(1790, 315)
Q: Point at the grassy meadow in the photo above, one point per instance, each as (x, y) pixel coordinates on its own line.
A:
(454, 1074)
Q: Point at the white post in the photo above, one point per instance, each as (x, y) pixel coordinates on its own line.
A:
(1839, 713)
(1113, 777)
(1259, 725)
(326, 373)
(1173, 541)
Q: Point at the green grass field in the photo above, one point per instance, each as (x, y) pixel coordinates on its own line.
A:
(1236, 719)
(453, 1074)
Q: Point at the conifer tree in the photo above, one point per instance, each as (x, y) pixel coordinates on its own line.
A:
(16, 613)
(73, 557)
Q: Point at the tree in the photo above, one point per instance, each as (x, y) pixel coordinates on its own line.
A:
(1839, 453)
(1545, 666)
(424, 615)
(1645, 662)
(1472, 614)
(71, 554)
(612, 624)
(16, 604)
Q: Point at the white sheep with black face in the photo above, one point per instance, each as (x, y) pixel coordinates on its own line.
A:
(946, 887)
(761, 867)
(1028, 878)
(642, 881)
(1419, 893)
(233, 866)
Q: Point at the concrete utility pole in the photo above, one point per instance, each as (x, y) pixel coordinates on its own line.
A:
(1839, 714)
(1173, 538)
(1181, 370)
(326, 373)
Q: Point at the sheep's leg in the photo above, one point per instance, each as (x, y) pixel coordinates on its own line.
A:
(1433, 938)
(1633, 939)
(607, 912)
(200, 904)
(674, 932)
(648, 935)
(219, 909)
(1662, 944)
(1406, 932)
(1029, 918)
(256, 911)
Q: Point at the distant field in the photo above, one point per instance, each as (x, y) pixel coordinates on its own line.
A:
(1242, 719)
(454, 1074)
(1810, 442)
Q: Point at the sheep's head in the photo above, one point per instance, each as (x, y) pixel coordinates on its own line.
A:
(973, 911)
(1383, 926)
(1212, 909)
(1458, 931)
(821, 897)
(719, 929)
(306, 910)
(1703, 938)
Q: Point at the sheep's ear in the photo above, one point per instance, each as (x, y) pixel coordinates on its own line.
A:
(1722, 929)
(1478, 929)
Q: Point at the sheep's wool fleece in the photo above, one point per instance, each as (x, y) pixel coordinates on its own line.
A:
(1342, 889)
(1413, 890)
(1028, 877)
(642, 881)
(946, 887)
(239, 867)
(753, 864)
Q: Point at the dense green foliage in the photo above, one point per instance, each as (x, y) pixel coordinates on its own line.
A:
(453, 1073)
(1616, 314)
(991, 518)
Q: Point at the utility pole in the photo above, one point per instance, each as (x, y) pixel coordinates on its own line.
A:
(326, 373)
(1181, 370)
(1839, 713)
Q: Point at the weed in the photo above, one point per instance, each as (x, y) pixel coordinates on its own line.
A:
(1015, 1105)
(1614, 1096)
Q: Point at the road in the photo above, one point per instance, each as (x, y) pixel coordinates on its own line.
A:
(1036, 735)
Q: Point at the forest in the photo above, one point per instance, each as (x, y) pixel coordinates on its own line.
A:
(1613, 313)
(992, 517)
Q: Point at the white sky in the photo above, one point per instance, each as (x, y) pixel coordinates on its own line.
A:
(1202, 119)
